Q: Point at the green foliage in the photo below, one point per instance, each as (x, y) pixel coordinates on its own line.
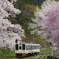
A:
(26, 13)
(27, 2)
(35, 2)
(45, 51)
(27, 8)
(25, 17)
(6, 53)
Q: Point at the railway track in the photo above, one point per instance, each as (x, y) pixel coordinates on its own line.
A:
(45, 56)
(40, 56)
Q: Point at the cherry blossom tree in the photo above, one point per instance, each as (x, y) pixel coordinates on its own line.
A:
(49, 24)
(8, 31)
(50, 21)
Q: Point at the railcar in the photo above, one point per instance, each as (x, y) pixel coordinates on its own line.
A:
(26, 49)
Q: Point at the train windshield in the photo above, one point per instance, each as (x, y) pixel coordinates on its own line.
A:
(23, 46)
(16, 46)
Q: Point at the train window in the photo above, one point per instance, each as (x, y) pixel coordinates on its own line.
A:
(23, 46)
(16, 46)
(28, 47)
(35, 47)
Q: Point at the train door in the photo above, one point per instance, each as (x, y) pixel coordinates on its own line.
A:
(23, 46)
(20, 47)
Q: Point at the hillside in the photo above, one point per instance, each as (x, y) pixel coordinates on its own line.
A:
(27, 13)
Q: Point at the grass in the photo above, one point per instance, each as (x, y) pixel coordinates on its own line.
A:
(12, 53)
(6, 53)
(45, 51)
(57, 54)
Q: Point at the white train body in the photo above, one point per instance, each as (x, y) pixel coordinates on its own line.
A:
(23, 49)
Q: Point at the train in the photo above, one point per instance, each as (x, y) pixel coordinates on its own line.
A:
(26, 49)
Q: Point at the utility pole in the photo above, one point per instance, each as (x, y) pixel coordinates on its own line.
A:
(51, 49)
